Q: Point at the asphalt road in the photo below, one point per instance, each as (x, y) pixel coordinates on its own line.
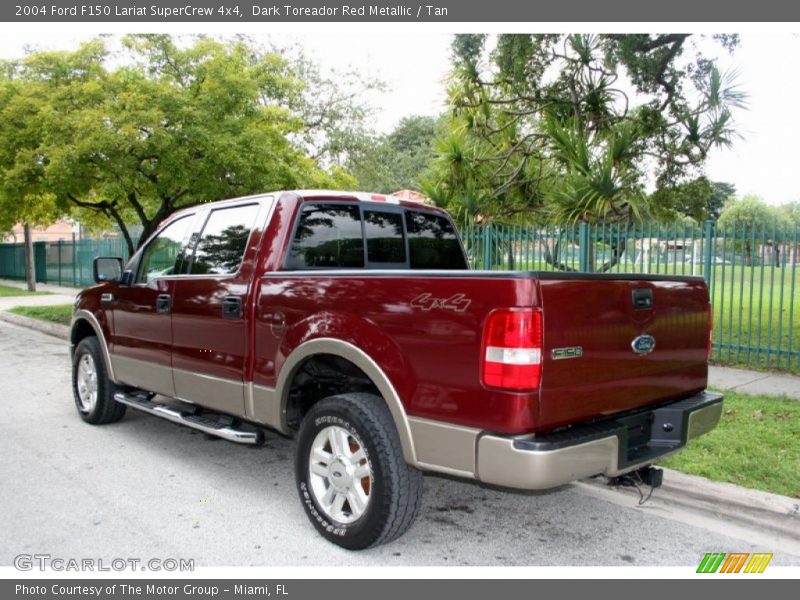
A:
(145, 488)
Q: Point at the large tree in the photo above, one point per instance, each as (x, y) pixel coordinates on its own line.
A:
(746, 219)
(572, 127)
(397, 160)
(172, 126)
(698, 199)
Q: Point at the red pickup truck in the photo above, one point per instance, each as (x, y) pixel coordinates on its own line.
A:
(351, 322)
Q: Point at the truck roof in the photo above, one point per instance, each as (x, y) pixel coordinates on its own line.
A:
(315, 195)
(318, 195)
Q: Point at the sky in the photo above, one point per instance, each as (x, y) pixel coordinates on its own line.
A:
(414, 65)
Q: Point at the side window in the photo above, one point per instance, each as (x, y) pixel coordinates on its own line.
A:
(162, 255)
(433, 242)
(328, 236)
(224, 240)
(384, 233)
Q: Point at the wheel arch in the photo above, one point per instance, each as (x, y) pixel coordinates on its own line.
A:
(334, 347)
(85, 324)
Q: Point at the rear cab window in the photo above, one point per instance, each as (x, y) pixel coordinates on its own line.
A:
(433, 242)
(365, 235)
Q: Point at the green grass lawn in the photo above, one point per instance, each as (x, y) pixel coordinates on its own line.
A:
(58, 313)
(755, 445)
(757, 309)
(6, 290)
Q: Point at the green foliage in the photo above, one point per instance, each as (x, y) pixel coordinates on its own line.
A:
(754, 445)
(747, 213)
(174, 126)
(790, 212)
(698, 200)
(540, 128)
(396, 161)
(750, 210)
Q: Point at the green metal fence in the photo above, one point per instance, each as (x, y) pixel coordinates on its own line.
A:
(752, 273)
(65, 263)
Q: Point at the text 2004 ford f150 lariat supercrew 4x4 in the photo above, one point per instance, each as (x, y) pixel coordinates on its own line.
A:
(352, 322)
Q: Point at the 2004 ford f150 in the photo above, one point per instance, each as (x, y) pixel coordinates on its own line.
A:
(352, 322)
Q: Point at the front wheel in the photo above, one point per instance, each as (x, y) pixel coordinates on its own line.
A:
(353, 481)
(93, 390)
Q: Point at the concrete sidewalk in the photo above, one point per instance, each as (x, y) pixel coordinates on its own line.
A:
(754, 382)
(55, 295)
(723, 378)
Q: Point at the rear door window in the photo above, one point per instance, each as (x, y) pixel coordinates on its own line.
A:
(328, 236)
(433, 242)
(224, 240)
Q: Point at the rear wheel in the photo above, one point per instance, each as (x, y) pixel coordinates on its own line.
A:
(353, 481)
(91, 387)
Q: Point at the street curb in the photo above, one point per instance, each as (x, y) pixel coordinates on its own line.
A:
(722, 501)
(54, 329)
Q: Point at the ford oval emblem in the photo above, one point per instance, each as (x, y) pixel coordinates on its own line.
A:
(644, 344)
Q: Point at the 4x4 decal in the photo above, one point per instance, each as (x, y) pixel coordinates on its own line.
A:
(456, 302)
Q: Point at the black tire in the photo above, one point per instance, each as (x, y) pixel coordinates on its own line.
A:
(395, 489)
(104, 409)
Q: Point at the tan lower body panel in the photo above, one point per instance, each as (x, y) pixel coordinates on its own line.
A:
(146, 375)
(500, 463)
(216, 393)
(264, 406)
(443, 447)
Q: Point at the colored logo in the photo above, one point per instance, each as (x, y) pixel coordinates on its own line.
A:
(644, 344)
(734, 562)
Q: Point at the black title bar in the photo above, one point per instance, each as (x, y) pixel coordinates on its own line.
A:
(515, 11)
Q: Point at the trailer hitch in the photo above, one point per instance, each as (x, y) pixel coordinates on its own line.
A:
(645, 476)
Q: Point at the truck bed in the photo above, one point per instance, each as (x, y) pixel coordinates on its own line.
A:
(425, 330)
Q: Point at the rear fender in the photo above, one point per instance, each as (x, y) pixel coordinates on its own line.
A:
(361, 343)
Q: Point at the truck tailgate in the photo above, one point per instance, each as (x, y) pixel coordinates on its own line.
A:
(591, 324)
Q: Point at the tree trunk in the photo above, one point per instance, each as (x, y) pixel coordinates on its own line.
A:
(29, 266)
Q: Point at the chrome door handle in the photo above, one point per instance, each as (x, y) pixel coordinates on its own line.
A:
(106, 297)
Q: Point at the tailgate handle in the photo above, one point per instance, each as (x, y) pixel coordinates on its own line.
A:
(642, 298)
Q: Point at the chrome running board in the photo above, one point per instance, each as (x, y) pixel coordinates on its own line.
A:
(218, 425)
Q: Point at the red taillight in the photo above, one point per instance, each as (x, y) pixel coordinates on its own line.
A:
(512, 349)
(710, 331)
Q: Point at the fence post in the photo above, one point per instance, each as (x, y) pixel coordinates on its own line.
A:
(58, 245)
(708, 250)
(40, 261)
(584, 248)
(74, 260)
(487, 247)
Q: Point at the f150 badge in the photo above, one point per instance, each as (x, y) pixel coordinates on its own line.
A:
(456, 302)
(565, 353)
(644, 344)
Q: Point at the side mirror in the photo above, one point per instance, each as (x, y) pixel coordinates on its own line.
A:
(107, 269)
